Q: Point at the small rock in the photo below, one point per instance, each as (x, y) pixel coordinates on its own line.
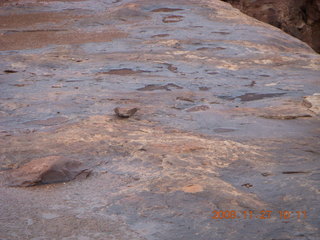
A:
(125, 112)
(52, 169)
(313, 103)
(247, 185)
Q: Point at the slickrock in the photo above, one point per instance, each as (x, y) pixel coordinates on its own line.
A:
(300, 18)
(227, 123)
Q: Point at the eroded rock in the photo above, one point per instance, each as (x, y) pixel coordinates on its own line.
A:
(300, 18)
(52, 169)
(313, 103)
(162, 176)
(154, 87)
(285, 110)
(125, 112)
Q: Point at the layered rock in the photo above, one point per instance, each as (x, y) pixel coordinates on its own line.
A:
(227, 121)
(300, 18)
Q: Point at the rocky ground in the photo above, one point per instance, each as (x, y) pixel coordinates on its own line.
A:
(227, 119)
(300, 18)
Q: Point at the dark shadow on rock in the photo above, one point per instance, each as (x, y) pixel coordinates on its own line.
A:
(167, 10)
(153, 87)
(257, 96)
(52, 169)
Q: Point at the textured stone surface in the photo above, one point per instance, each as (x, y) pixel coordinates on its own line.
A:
(125, 112)
(313, 103)
(204, 77)
(300, 18)
(46, 170)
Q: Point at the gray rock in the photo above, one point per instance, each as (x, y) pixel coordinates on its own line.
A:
(125, 112)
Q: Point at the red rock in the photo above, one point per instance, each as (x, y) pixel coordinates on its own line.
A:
(300, 18)
(46, 170)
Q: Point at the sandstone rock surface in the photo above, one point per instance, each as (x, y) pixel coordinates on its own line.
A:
(313, 103)
(46, 170)
(300, 18)
(203, 74)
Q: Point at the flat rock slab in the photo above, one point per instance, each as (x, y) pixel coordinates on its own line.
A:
(45, 170)
(202, 74)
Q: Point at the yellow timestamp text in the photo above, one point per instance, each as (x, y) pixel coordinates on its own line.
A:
(263, 214)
